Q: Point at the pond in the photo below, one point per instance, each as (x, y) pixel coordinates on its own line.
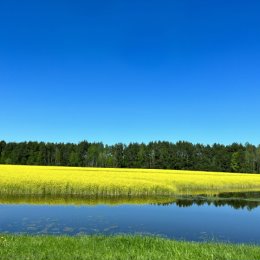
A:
(194, 220)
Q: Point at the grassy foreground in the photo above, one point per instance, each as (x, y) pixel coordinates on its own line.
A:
(46, 180)
(118, 247)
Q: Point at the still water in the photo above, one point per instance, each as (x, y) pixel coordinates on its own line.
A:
(186, 220)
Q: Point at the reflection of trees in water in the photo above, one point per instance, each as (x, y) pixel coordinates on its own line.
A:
(234, 203)
(238, 204)
(239, 200)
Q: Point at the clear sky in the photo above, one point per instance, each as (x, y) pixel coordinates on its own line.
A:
(131, 70)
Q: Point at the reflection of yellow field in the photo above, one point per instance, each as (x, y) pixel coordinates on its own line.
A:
(45, 180)
(89, 201)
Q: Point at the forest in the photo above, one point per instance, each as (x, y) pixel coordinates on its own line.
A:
(181, 155)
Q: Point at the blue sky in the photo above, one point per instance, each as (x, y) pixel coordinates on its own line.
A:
(127, 71)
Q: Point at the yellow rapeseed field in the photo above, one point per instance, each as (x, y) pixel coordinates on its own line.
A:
(58, 181)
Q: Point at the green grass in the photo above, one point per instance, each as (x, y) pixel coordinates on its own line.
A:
(118, 247)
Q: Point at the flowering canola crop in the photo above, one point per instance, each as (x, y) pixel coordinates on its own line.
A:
(58, 181)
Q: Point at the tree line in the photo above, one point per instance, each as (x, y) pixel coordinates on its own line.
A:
(154, 155)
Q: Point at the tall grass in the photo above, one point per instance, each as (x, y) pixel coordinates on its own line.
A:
(58, 181)
(118, 247)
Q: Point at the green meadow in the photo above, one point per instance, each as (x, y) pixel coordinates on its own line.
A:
(23, 247)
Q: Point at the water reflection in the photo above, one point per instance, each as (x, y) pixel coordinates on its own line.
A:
(245, 200)
(195, 222)
(196, 218)
(236, 204)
